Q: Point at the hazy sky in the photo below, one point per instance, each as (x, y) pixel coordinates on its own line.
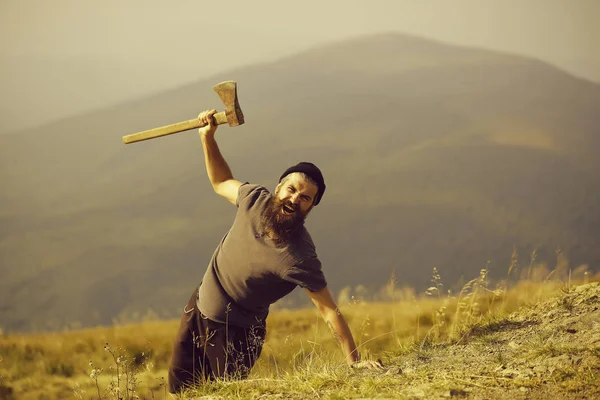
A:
(63, 57)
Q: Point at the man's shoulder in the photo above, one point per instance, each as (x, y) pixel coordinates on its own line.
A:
(249, 193)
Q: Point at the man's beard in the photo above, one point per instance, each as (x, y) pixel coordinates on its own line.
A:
(282, 226)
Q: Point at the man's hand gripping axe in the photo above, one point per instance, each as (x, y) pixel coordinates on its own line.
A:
(232, 115)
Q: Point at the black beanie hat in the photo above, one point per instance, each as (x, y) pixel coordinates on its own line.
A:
(311, 170)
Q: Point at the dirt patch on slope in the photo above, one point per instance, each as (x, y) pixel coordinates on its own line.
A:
(551, 350)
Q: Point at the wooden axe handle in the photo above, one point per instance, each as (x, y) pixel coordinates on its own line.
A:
(220, 118)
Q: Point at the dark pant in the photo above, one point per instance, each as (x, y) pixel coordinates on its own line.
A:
(205, 349)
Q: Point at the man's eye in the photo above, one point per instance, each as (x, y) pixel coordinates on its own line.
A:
(291, 189)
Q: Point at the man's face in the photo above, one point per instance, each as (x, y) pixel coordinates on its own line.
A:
(295, 195)
(292, 201)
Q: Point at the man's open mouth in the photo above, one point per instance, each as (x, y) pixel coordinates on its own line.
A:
(288, 209)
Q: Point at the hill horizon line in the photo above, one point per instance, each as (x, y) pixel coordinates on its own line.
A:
(318, 47)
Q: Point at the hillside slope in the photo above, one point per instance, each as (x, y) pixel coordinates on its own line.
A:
(548, 348)
(549, 351)
(434, 156)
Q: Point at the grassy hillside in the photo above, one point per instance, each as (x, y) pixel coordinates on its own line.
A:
(536, 338)
(434, 156)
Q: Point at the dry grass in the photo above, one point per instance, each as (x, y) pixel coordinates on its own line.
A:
(299, 358)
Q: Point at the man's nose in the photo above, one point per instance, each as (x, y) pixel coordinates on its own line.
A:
(295, 198)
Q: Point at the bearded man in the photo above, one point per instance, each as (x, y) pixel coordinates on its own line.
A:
(264, 256)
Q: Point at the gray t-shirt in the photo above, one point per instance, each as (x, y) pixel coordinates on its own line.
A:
(248, 271)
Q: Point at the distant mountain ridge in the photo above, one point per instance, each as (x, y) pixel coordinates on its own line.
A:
(434, 156)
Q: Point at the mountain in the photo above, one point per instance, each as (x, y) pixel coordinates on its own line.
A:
(434, 156)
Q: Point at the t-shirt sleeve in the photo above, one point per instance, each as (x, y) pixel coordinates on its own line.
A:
(307, 274)
(247, 193)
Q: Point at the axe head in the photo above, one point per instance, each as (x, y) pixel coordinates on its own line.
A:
(227, 91)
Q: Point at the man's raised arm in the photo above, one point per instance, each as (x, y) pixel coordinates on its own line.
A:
(218, 171)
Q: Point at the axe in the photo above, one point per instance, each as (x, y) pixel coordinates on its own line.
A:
(232, 115)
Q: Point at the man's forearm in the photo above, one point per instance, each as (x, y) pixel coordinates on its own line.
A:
(342, 334)
(216, 167)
